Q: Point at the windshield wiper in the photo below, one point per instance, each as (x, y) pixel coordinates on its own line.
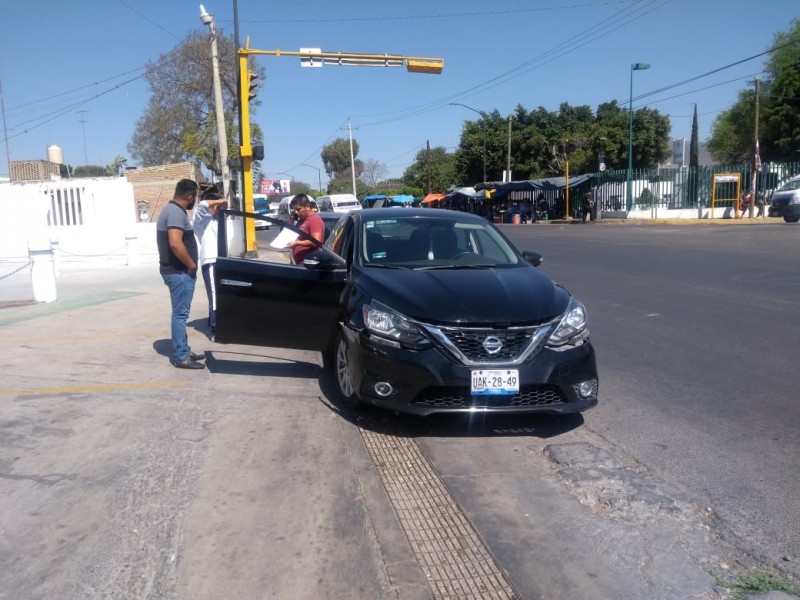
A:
(454, 267)
(384, 266)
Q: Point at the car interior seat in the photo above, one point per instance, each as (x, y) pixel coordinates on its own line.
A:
(420, 244)
(376, 247)
(444, 243)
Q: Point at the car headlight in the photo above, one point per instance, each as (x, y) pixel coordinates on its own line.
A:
(387, 323)
(794, 200)
(572, 329)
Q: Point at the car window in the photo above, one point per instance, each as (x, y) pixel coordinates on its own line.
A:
(792, 184)
(416, 242)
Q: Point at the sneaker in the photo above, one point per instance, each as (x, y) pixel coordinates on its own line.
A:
(188, 364)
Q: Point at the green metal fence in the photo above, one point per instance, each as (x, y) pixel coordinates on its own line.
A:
(683, 187)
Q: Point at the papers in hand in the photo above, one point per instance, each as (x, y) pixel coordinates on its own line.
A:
(284, 237)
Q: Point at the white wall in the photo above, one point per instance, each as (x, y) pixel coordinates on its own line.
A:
(84, 218)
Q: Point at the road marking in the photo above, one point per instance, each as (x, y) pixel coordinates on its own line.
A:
(90, 388)
(71, 338)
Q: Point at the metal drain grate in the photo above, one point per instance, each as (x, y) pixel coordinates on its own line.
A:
(450, 552)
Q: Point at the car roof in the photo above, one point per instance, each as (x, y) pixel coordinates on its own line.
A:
(435, 213)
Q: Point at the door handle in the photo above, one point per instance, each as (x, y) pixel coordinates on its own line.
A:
(236, 283)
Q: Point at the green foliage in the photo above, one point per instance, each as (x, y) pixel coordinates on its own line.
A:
(89, 171)
(179, 121)
(779, 110)
(336, 158)
(760, 582)
(437, 162)
(539, 137)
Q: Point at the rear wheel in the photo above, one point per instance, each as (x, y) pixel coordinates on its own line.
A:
(791, 219)
(344, 379)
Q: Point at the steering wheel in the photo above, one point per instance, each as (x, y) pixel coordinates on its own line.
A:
(462, 255)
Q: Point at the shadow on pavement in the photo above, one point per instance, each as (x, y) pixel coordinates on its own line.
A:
(240, 363)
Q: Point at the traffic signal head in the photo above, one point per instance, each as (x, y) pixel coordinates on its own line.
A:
(254, 84)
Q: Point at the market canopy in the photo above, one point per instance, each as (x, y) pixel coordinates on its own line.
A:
(403, 199)
(431, 198)
(546, 184)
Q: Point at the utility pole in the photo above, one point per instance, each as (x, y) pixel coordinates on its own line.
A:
(428, 160)
(508, 160)
(5, 129)
(222, 137)
(756, 159)
(82, 121)
(352, 158)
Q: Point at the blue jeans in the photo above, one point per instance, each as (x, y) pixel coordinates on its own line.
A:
(181, 290)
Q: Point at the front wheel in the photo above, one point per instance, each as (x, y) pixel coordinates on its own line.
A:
(791, 219)
(344, 378)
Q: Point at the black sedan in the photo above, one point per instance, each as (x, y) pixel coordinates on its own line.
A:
(419, 311)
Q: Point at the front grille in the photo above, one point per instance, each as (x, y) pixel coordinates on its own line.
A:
(470, 342)
(451, 397)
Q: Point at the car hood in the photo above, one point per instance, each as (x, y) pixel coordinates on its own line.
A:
(477, 296)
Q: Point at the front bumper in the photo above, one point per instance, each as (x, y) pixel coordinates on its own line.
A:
(428, 381)
(784, 209)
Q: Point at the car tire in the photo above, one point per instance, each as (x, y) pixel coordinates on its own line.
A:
(342, 372)
(791, 219)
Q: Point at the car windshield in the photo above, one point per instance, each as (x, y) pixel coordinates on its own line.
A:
(434, 243)
(792, 184)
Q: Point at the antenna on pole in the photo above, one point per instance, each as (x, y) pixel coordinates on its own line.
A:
(83, 122)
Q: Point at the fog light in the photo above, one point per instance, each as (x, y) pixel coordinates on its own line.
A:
(383, 388)
(587, 389)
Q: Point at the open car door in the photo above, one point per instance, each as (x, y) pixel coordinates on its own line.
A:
(279, 305)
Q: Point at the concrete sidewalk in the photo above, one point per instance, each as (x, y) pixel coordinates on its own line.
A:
(124, 477)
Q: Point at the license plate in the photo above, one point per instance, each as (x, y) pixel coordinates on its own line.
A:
(495, 382)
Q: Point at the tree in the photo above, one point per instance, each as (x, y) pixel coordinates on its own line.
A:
(441, 165)
(731, 137)
(373, 173)
(179, 121)
(694, 159)
(116, 165)
(781, 107)
(539, 137)
(89, 171)
(336, 157)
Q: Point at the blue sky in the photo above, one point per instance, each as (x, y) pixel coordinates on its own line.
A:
(58, 59)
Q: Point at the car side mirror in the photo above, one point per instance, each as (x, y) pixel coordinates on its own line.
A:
(533, 257)
(323, 261)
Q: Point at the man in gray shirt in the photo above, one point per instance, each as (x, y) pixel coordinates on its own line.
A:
(177, 257)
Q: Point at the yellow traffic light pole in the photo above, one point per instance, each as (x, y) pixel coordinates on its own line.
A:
(414, 64)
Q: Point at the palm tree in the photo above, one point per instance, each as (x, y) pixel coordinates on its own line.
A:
(114, 167)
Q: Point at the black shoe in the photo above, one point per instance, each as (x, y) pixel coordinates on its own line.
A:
(188, 364)
(193, 356)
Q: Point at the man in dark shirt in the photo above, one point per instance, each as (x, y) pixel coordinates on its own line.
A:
(177, 257)
(309, 222)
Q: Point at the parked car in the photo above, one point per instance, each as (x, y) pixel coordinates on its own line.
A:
(261, 207)
(340, 203)
(419, 311)
(785, 201)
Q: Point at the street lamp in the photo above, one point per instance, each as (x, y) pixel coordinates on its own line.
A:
(222, 140)
(319, 175)
(634, 67)
(483, 122)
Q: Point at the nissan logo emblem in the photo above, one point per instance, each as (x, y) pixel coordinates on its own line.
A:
(492, 344)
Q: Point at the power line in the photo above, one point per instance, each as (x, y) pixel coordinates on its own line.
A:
(439, 16)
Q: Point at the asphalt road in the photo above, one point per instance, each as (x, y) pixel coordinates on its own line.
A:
(696, 329)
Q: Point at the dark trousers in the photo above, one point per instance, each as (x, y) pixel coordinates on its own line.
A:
(211, 292)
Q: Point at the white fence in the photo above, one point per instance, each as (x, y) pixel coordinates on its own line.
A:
(82, 219)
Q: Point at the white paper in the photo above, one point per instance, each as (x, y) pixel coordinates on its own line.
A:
(283, 238)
